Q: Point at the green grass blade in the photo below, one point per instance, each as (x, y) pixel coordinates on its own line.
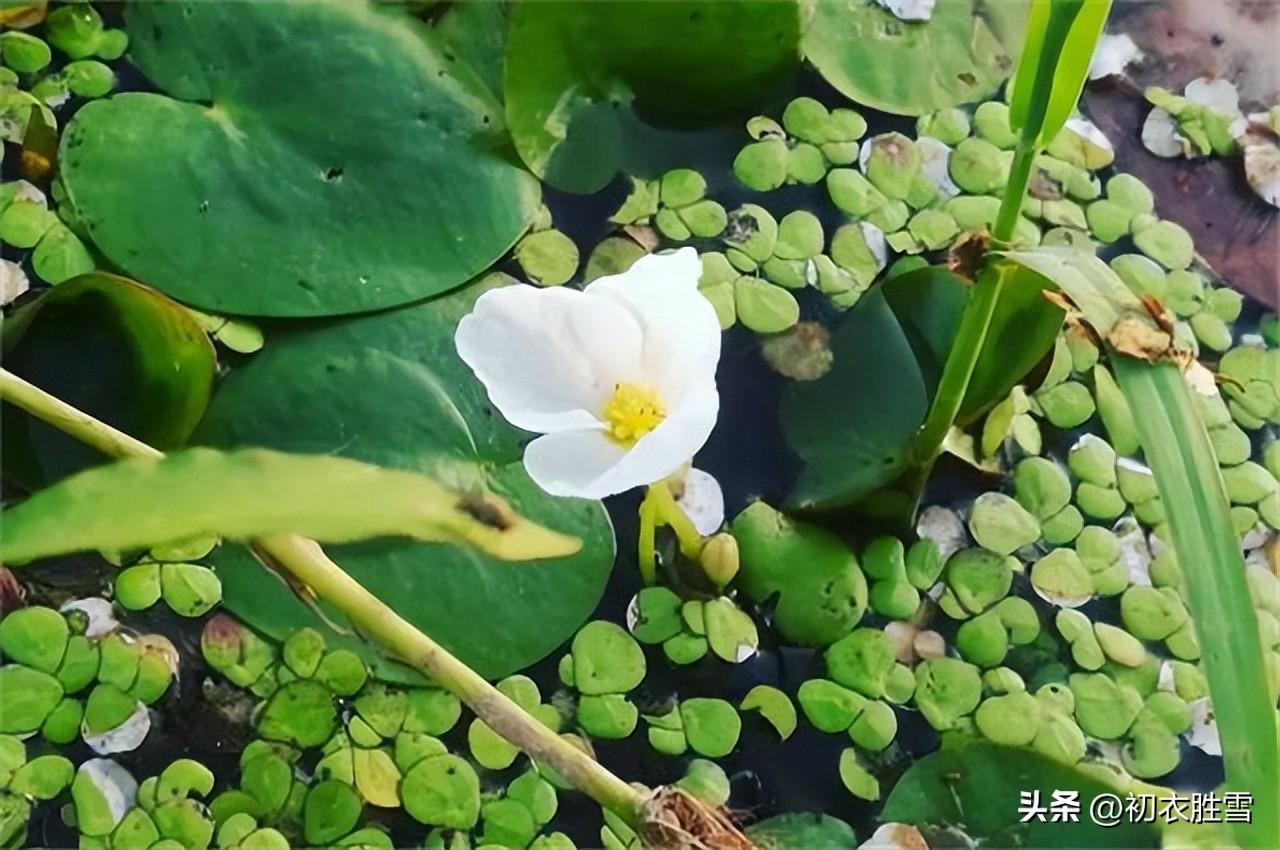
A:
(1177, 449)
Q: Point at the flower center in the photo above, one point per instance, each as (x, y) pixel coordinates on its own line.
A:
(631, 412)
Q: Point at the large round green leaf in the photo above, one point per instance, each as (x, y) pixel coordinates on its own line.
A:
(855, 427)
(389, 389)
(312, 159)
(115, 349)
(960, 55)
(980, 786)
(575, 70)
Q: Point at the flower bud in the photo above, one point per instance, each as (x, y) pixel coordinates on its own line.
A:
(719, 558)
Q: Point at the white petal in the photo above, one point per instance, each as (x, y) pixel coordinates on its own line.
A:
(1090, 132)
(589, 465)
(567, 463)
(681, 334)
(702, 501)
(1113, 54)
(549, 358)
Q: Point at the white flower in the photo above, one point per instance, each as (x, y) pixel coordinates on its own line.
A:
(619, 378)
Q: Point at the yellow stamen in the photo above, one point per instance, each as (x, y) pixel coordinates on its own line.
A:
(631, 412)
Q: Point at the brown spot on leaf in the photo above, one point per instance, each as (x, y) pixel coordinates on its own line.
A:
(487, 509)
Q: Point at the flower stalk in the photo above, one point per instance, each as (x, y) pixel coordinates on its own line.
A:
(306, 562)
(657, 509)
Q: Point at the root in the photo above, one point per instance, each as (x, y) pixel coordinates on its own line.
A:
(672, 819)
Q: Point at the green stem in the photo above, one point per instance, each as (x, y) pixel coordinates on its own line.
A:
(1176, 446)
(975, 323)
(304, 560)
(648, 549)
(670, 514)
(1024, 159)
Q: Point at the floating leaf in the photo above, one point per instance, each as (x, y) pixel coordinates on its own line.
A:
(138, 503)
(1061, 37)
(979, 785)
(114, 349)
(872, 57)
(339, 162)
(390, 389)
(573, 74)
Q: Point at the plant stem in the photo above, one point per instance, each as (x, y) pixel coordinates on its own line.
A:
(1176, 446)
(975, 322)
(69, 420)
(306, 561)
(1024, 159)
(659, 508)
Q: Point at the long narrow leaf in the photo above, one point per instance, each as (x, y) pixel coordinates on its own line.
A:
(1177, 448)
(138, 503)
(1061, 36)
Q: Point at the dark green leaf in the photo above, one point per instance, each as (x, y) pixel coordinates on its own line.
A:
(115, 349)
(978, 785)
(390, 389)
(854, 427)
(575, 70)
(1023, 329)
(333, 160)
(145, 502)
(803, 830)
(967, 50)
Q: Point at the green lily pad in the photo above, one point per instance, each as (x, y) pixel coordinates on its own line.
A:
(573, 75)
(43, 778)
(394, 382)
(189, 589)
(301, 713)
(114, 349)
(889, 352)
(606, 659)
(711, 726)
(822, 592)
(27, 697)
(442, 791)
(874, 58)
(774, 706)
(803, 829)
(331, 810)
(35, 636)
(979, 784)
(386, 180)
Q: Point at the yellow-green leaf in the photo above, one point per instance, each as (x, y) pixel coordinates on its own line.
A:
(135, 504)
